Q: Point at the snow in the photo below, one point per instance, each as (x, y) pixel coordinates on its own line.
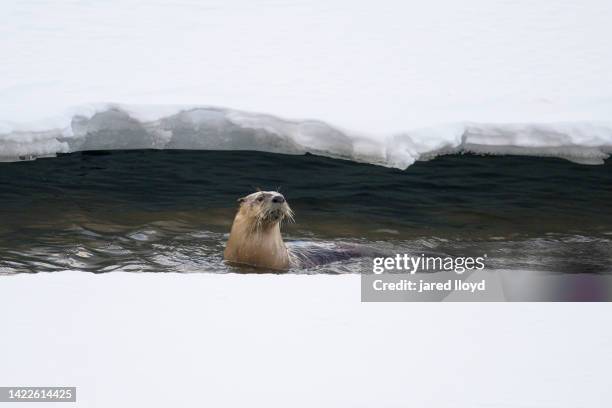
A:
(286, 340)
(389, 84)
(115, 126)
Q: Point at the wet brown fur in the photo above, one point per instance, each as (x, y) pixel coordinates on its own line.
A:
(255, 238)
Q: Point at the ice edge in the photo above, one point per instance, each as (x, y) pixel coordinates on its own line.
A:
(114, 126)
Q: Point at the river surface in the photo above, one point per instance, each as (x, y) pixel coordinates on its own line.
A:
(171, 211)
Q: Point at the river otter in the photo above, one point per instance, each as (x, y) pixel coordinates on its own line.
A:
(255, 238)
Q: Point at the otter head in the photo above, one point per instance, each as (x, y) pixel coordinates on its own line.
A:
(255, 238)
(265, 209)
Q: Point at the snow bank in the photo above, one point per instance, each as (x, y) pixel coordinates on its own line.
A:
(115, 126)
(160, 340)
(411, 80)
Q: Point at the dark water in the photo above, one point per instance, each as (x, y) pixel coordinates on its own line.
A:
(172, 210)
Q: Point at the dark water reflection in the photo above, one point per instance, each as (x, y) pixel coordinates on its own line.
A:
(171, 210)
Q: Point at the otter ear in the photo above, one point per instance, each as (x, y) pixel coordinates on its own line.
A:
(241, 200)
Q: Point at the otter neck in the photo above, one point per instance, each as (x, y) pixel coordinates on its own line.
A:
(260, 246)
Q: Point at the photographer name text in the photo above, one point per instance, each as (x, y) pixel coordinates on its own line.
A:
(421, 286)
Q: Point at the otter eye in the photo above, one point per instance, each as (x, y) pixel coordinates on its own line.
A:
(260, 198)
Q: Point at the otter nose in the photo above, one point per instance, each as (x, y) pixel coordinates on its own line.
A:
(278, 199)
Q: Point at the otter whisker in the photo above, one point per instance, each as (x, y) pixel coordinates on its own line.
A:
(257, 224)
(289, 215)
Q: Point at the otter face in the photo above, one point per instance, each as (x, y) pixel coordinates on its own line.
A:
(266, 208)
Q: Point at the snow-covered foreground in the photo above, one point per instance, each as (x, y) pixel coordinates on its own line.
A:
(183, 340)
